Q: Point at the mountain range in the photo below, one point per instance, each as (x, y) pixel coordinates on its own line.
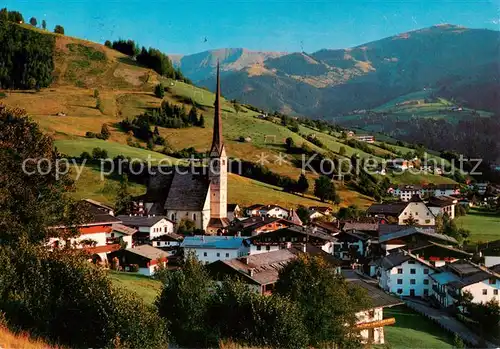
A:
(456, 62)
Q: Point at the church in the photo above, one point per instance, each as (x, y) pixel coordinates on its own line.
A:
(197, 194)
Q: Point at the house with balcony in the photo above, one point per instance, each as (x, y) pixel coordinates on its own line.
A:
(454, 279)
(287, 237)
(409, 237)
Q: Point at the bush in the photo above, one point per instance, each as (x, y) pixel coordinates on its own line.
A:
(89, 134)
(59, 29)
(58, 295)
(160, 90)
(85, 156)
(98, 153)
(105, 132)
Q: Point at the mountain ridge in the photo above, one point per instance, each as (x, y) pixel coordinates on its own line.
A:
(455, 60)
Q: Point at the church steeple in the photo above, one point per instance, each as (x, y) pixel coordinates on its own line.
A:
(217, 141)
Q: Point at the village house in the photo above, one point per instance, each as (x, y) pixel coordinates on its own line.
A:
(443, 205)
(405, 192)
(403, 212)
(399, 164)
(195, 193)
(366, 138)
(253, 210)
(260, 271)
(274, 211)
(437, 253)
(94, 235)
(411, 236)
(286, 237)
(325, 210)
(144, 259)
(351, 245)
(121, 234)
(258, 225)
(149, 227)
(233, 212)
(490, 251)
(371, 321)
(404, 274)
(167, 241)
(330, 228)
(208, 249)
(454, 279)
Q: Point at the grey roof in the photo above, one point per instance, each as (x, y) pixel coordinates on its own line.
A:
(187, 192)
(147, 251)
(169, 237)
(378, 297)
(416, 230)
(397, 258)
(440, 201)
(391, 209)
(361, 226)
(293, 230)
(470, 273)
(123, 229)
(446, 247)
(262, 268)
(141, 221)
(99, 213)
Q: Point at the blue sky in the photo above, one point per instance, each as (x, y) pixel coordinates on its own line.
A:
(182, 26)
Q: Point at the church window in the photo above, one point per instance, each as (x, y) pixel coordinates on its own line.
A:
(173, 217)
(194, 216)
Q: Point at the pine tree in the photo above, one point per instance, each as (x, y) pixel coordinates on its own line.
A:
(44, 24)
(302, 184)
(160, 90)
(123, 198)
(105, 131)
(193, 116)
(324, 188)
(202, 121)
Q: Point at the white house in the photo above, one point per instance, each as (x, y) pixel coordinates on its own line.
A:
(443, 205)
(274, 211)
(405, 192)
(149, 227)
(456, 278)
(415, 209)
(370, 322)
(209, 249)
(93, 235)
(170, 240)
(404, 274)
(144, 258)
(121, 233)
(253, 210)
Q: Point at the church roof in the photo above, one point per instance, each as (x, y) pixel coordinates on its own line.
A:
(187, 192)
(219, 223)
(217, 140)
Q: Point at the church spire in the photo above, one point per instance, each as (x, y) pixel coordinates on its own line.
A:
(217, 141)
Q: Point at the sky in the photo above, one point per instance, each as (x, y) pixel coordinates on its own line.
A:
(186, 27)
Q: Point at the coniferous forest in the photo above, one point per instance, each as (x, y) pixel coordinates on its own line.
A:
(26, 57)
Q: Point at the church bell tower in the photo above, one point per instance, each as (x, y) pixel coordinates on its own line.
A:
(218, 163)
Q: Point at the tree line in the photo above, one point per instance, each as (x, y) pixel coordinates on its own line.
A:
(151, 58)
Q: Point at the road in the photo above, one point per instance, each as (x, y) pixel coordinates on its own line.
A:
(447, 322)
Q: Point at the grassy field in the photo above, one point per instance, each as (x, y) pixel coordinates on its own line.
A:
(245, 191)
(484, 226)
(89, 185)
(74, 147)
(420, 178)
(413, 330)
(143, 286)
